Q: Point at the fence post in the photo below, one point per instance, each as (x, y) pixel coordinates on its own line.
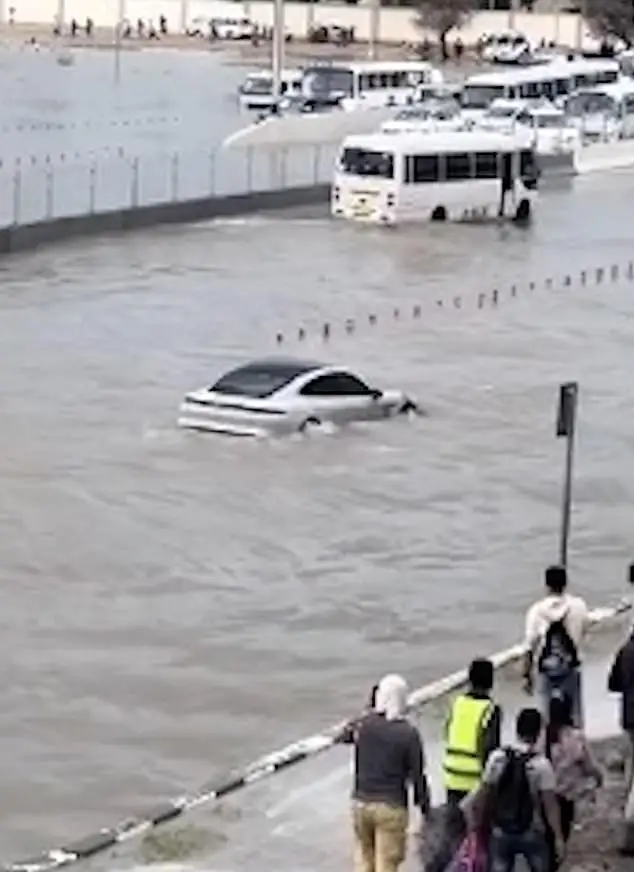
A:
(134, 194)
(92, 186)
(284, 155)
(249, 159)
(316, 164)
(50, 189)
(212, 173)
(17, 193)
(174, 176)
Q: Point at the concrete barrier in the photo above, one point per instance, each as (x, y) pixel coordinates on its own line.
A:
(25, 237)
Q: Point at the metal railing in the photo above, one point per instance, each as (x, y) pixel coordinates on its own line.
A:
(44, 187)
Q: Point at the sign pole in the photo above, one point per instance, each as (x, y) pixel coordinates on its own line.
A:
(566, 425)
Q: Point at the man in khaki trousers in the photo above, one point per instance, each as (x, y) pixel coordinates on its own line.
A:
(388, 760)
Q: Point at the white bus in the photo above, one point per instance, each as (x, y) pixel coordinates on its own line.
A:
(256, 92)
(454, 175)
(551, 80)
(352, 86)
(604, 113)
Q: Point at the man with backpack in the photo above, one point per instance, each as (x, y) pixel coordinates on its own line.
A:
(518, 800)
(555, 628)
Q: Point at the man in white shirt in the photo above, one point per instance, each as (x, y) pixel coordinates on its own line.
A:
(555, 628)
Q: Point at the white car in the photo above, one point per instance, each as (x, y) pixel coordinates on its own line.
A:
(233, 28)
(507, 48)
(279, 396)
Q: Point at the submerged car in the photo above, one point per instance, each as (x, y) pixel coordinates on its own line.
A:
(279, 396)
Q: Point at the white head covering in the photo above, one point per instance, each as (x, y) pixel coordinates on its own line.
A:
(391, 697)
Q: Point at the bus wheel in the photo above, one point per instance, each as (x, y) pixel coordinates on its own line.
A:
(439, 214)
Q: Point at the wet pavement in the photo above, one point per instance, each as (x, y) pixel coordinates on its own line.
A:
(176, 604)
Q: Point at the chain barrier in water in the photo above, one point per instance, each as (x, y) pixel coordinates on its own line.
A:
(598, 275)
(277, 761)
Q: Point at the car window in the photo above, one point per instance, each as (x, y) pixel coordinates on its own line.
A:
(338, 384)
(256, 380)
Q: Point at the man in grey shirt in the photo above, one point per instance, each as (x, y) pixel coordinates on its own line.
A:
(388, 760)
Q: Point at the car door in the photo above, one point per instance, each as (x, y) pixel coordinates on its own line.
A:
(342, 398)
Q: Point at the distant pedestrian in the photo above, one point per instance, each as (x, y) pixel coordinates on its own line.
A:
(555, 628)
(577, 775)
(389, 759)
(518, 799)
(472, 733)
(90, 26)
(621, 680)
(458, 49)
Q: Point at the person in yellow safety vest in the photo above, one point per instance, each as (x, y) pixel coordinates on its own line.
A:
(472, 732)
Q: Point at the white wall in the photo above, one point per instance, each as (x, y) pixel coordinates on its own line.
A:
(396, 25)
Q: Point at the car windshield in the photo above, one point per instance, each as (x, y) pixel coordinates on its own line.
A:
(258, 85)
(545, 122)
(257, 380)
(501, 111)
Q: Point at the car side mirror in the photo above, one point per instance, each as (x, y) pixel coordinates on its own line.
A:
(376, 394)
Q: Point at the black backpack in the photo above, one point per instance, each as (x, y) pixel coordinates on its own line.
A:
(513, 808)
(558, 656)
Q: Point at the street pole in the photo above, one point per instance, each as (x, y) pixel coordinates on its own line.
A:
(375, 12)
(117, 52)
(278, 51)
(566, 425)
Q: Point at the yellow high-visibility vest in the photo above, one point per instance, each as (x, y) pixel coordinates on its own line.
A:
(463, 761)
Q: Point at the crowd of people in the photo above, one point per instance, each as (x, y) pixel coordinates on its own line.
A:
(502, 801)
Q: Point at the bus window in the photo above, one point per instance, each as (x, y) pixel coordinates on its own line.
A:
(561, 87)
(424, 168)
(360, 162)
(486, 165)
(457, 167)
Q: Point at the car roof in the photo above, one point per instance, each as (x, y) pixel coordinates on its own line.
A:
(298, 366)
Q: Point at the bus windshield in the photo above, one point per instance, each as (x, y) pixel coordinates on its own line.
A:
(360, 162)
(591, 103)
(322, 82)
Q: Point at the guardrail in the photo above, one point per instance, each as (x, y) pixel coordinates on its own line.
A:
(45, 187)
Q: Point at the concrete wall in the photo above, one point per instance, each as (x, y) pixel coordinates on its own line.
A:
(30, 236)
(396, 24)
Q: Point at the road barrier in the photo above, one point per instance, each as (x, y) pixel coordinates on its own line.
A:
(263, 767)
(329, 331)
(42, 188)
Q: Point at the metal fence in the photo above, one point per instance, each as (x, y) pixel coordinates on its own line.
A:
(42, 187)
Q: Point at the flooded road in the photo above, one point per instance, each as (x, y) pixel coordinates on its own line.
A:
(174, 604)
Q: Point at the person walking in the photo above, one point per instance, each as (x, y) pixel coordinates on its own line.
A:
(621, 681)
(389, 758)
(577, 775)
(518, 798)
(472, 732)
(555, 628)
